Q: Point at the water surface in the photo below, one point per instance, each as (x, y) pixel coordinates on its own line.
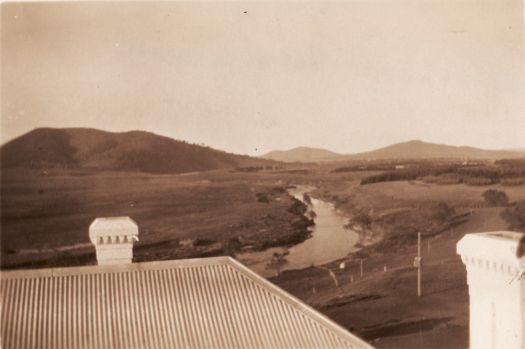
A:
(329, 241)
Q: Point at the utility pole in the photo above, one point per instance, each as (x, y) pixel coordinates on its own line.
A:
(361, 267)
(418, 264)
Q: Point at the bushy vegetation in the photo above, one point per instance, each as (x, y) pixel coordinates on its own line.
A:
(255, 168)
(297, 208)
(505, 172)
(495, 198)
(407, 174)
(248, 169)
(278, 261)
(362, 219)
(202, 242)
(262, 197)
(379, 165)
(441, 211)
(515, 216)
(232, 246)
(269, 195)
(307, 199)
(364, 167)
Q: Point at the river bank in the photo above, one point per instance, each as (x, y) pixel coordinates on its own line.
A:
(329, 239)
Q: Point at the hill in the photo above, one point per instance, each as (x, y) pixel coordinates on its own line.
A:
(422, 150)
(407, 150)
(302, 154)
(83, 148)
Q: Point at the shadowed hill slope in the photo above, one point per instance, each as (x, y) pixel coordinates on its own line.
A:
(82, 148)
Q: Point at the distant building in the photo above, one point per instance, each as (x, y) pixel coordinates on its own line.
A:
(192, 303)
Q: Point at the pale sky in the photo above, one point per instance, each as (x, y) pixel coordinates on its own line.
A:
(250, 77)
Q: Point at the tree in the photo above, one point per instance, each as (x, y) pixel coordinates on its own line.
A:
(495, 198)
(262, 197)
(232, 246)
(307, 199)
(278, 261)
(362, 219)
(442, 211)
(516, 217)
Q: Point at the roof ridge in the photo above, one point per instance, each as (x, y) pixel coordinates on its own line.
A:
(102, 269)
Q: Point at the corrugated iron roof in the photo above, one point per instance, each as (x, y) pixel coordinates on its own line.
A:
(194, 303)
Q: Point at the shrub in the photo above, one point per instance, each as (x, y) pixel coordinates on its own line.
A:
(297, 208)
(442, 211)
(202, 242)
(232, 246)
(307, 199)
(515, 216)
(278, 261)
(495, 198)
(262, 197)
(362, 219)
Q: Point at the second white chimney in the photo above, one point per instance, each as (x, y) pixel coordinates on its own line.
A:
(495, 267)
(113, 238)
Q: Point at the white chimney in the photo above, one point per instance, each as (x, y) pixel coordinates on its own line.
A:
(495, 266)
(113, 239)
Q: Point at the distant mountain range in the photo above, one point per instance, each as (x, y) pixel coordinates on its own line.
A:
(83, 148)
(406, 150)
(90, 149)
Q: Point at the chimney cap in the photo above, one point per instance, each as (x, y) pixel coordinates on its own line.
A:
(504, 247)
(113, 226)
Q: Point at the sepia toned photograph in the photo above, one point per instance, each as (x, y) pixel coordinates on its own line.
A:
(262, 174)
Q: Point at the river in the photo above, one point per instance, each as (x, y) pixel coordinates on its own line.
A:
(329, 241)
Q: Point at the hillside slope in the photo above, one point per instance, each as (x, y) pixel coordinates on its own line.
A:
(82, 148)
(423, 150)
(302, 154)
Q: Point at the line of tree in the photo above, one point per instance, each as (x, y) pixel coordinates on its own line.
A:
(474, 175)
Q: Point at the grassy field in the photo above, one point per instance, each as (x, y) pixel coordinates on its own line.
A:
(45, 218)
